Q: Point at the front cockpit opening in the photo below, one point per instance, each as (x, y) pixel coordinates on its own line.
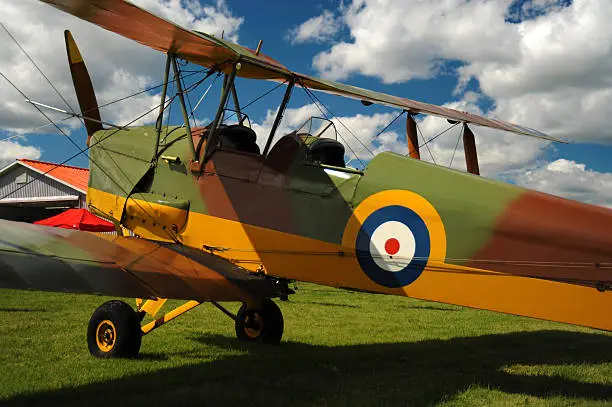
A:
(320, 138)
(238, 135)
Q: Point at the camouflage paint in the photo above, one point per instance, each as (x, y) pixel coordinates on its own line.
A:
(62, 260)
(295, 220)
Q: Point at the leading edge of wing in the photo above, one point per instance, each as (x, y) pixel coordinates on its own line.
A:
(413, 106)
(61, 260)
(133, 22)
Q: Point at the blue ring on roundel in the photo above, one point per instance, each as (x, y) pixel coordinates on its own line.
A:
(412, 271)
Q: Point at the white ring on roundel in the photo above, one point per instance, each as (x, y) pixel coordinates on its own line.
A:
(400, 258)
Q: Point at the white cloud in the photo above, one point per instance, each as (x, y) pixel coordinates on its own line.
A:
(500, 154)
(572, 180)
(552, 71)
(316, 29)
(397, 40)
(215, 20)
(118, 66)
(12, 150)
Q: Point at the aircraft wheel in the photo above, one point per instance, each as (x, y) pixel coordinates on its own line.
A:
(263, 324)
(114, 331)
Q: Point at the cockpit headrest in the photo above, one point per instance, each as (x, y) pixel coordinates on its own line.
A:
(326, 151)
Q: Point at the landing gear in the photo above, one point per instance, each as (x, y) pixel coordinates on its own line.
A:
(114, 331)
(263, 323)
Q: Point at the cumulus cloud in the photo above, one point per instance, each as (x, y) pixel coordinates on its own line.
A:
(214, 19)
(398, 40)
(572, 180)
(500, 154)
(118, 67)
(316, 29)
(551, 69)
(12, 150)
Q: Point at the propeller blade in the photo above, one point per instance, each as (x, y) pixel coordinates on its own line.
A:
(83, 87)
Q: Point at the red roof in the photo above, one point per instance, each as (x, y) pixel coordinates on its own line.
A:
(79, 219)
(76, 177)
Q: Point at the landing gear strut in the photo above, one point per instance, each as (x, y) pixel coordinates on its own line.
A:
(263, 323)
(115, 329)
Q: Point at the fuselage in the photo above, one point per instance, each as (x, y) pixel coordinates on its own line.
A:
(402, 226)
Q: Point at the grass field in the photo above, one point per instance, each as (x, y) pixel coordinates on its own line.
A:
(340, 349)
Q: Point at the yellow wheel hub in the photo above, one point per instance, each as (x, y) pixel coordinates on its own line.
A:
(253, 325)
(106, 335)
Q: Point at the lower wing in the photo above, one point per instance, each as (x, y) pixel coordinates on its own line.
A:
(61, 260)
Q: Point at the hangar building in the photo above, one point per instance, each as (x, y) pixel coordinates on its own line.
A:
(31, 190)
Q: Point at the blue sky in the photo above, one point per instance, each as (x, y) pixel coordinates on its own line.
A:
(500, 58)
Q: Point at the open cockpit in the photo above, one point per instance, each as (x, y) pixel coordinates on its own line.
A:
(315, 139)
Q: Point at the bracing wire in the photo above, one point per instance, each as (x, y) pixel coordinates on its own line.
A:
(37, 67)
(257, 99)
(434, 137)
(342, 138)
(314, 97)
(426, 143)
(84, 151)
(104, 105)
(204, 94)
(169, 112)
(42, 113)
(456, 145)
(186, 93)
(384, 129)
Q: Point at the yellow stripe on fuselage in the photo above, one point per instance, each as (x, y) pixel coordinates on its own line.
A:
(299, 258)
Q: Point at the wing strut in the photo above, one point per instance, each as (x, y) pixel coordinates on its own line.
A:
(279, 116)
(469, 146)
(162, 104)
(179, 90)
(413, 137)
(213, 136)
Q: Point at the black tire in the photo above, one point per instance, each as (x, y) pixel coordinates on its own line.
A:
(114, 331)
(263, 324)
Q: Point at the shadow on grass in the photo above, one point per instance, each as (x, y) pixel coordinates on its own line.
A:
(430, 307)
(327, 304)
(23, 310)
(296, 374)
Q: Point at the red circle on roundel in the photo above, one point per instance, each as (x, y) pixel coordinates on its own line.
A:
(392, 246)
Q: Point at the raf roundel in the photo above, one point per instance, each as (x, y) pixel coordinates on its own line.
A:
(393, 246)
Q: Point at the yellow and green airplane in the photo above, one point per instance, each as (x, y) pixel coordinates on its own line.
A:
(218, 219)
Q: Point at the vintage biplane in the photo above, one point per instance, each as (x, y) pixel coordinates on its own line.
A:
(217, 218)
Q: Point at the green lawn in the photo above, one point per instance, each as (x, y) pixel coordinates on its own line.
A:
(340, 348)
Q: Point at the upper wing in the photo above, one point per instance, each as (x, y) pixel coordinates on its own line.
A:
(53, 259)
(414, 106)
(132, 22)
